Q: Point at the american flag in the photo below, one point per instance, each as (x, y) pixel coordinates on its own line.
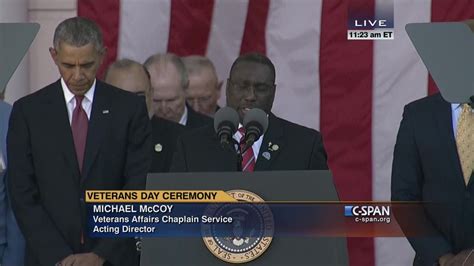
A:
(352, 91)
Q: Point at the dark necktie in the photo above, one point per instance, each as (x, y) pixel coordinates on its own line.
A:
(248, 158)
(79, 127)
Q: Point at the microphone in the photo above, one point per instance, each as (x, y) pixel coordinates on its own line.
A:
(256, 124)
(226, 122)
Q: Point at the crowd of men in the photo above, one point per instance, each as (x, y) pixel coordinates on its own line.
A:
(81, 133)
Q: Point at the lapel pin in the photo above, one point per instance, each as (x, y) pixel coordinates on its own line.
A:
(105, 111)
(275, 147)
(158, 147)
(266, 155)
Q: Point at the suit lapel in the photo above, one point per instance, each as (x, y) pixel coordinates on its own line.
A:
(60, 128)
(445, 130)
(192, 118)
(98, 124)
(272, 144)
(223, 160)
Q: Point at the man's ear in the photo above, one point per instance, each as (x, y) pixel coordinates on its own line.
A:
(227, 85)
(102, 55)
(219, 88)
(54, 54)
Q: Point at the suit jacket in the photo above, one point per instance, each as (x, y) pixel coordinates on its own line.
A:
(426, 167)
(5, 110)
(299, 148)
(12, 244)
(165, 135)
(196, 120)
(47, 188)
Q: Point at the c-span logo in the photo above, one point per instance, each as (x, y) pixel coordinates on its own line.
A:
(247, 237)
(368, 213)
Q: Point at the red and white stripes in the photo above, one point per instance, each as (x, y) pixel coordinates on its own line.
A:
(353, 91)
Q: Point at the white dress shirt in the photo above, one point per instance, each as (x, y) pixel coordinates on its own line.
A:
(71, 101)
(184, 117)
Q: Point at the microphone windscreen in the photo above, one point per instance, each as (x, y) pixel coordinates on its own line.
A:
(226, 114)
(258, 116)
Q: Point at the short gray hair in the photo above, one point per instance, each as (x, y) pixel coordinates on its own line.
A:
(196, 63)
(125, 64)
(78, 31)
(169, 58)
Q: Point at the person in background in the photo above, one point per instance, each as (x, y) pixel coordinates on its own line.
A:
(169, 81)
(204, 90)
(132, 76)
(12, 243)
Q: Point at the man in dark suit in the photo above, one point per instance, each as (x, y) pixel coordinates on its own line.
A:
(71, 136)
(169, 80)
(132, 76)
(428, 166)
(284, 146)
(165, 137)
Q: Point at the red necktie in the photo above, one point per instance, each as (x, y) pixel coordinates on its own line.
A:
(79, 127)
(248, 158)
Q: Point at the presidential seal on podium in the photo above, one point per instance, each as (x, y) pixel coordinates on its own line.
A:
(249, 234)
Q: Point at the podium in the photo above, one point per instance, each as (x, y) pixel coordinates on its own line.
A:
(270, 186)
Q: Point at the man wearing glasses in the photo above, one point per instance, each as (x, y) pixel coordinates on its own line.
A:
(284, 146)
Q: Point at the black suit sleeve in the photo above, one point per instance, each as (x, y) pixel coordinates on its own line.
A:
(137, 164)
(179, 158)
(40, 232)
(318, 160)
(407, 181)
(138, 160)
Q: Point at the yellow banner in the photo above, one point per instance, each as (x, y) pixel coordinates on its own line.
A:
(131, 196)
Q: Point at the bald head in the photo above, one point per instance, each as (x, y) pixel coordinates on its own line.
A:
(168, 81)
(203, 90)
(131, 76)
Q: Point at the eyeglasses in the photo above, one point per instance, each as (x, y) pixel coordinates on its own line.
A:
(244, 87)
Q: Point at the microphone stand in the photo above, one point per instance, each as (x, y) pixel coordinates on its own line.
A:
(230, 146)
(238, 153)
